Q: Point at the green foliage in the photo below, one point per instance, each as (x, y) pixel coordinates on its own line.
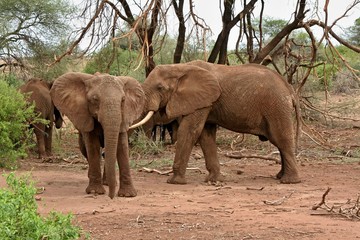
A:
(12, 80)
(15, 135)
(351, 56)
(270, 26)
(353, 33)
(19, 217)
(125, 63)
(141, 144)
(326, 73)
(32, 31)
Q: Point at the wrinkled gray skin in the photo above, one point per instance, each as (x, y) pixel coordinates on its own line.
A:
(246, 99)
(38, 92)
(102, 107)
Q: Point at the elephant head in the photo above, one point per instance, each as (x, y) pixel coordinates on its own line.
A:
(115, 102)
(179, 89)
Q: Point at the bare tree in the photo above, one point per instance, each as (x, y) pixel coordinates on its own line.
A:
(148, 20)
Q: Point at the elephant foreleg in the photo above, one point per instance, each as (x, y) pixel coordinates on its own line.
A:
(208, 145)
(189, 131)
(92, 145)
(126, 188)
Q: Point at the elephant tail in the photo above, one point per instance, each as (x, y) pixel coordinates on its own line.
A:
(296, 105)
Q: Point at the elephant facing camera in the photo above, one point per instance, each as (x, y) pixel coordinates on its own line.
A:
(102, 107)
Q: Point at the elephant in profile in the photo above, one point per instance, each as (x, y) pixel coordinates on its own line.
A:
(38, 91)
(102, 107)
(248, 98)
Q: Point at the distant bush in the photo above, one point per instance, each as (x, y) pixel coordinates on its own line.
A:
(15, 134)
(19, 217)
(345, 82)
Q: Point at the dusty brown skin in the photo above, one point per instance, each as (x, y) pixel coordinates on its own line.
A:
(102, 106)
(38, 92)
(246, 99)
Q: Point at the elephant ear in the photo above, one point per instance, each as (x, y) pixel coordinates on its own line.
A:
(196, 88)
(68, 93)
(133, 103)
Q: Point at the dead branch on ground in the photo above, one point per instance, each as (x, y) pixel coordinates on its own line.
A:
(279, 201)
(238, 155)
(350, 209)
(151, 170)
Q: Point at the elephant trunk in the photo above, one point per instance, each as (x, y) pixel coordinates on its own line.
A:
(111, 134)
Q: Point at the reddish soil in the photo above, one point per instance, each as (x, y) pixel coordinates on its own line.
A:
(250, 204)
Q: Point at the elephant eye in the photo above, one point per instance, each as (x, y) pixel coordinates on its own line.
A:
(160, 87)
(94, 99)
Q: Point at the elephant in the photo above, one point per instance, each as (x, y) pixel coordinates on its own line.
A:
(248, 98)
(102, 107)
(38, 91)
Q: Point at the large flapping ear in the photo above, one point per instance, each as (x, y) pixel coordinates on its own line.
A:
(133, 103)
(196, 88)
(69, 97)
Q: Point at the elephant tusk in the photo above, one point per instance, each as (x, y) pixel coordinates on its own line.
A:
(147, 117)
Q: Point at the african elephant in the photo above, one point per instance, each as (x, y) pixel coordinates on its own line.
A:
(39, 93)
(102, 107)
(248, 98)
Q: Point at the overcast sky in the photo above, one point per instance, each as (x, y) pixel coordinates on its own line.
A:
(210, 10)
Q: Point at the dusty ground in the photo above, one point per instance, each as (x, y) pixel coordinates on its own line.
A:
(250, 204)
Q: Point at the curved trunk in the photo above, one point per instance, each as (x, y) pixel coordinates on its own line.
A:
(111, 127)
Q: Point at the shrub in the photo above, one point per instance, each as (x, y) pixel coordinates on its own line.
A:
(15, 134)
(141, 144)
(19, 217)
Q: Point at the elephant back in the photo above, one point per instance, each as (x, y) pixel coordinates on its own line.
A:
(38, 92)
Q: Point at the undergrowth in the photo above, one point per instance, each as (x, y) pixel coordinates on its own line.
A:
(20, 219)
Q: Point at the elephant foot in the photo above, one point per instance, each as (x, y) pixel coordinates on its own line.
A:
(214, 178)
(95, 189)
(128, 191)
(176, 179)
(290, 178)
(280, 174)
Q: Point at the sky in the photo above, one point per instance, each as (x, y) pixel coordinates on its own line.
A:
(210, 11)
(278, 9)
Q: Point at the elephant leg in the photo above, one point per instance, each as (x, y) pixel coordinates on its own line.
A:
(92, 145)
(207, 142)
(189, 131)
(48, 139)
(281, 172)
(281, 136)
(126, 188)
(288, 172)
(39, 130)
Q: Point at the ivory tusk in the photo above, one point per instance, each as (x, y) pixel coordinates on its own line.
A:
(147, 117)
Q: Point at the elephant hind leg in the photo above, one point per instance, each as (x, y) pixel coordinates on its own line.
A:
(288, 172)
(48, 139)
(208, 145)
(39, 130)
(282, 137)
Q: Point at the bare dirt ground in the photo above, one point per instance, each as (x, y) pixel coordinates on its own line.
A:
(250, 204)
